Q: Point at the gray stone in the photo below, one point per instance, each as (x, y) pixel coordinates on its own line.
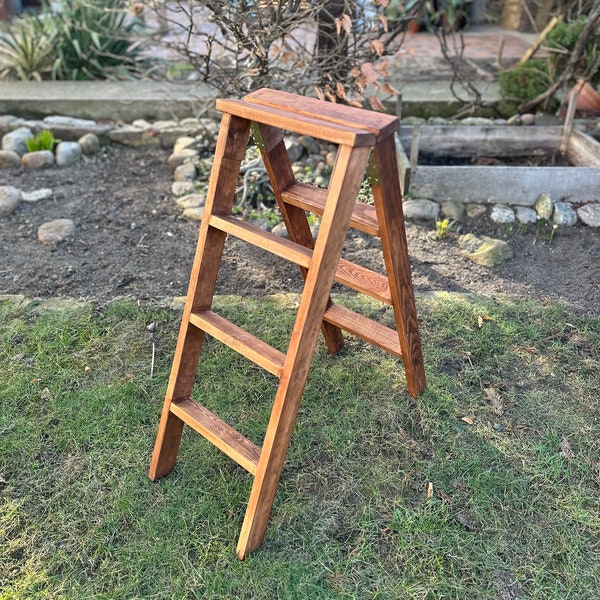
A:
(420, 209)
(37, 195)
(90, 143)
(181, 188)
(309, 144)
(132, 136)
(35, 126)
(437, 121)
(330, 158)
(9, 122)
(475, 210)
(525, 214)
(195, 213)
(184, 143)
(528, 119)
(191, 201)
(477, 121)
(453, 209)
(502, 214)
(484, 251)
(590, 214)
(55, 231)
(295, 150)
(71, 128)
(170, 135)
(280, 230)
(181, 156)
(564, 214)
(37, 160)
(68, 153)
(192, 122)
(16, 140)
(10, 198)
(544, 207)
(185, 172)
(8, 159)
(141, 124)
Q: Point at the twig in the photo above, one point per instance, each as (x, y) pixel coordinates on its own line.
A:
(569, 119)
(153, 355)
(538, 42)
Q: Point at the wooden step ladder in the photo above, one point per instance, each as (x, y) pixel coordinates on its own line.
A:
(365, 142)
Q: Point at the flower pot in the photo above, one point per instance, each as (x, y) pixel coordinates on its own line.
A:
(588, 100)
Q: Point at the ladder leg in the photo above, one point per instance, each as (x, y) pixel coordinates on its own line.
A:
(343, 189)
(388, 204)
(279, 169)
(230, 150)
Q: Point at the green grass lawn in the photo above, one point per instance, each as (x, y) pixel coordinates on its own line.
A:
(486, 486)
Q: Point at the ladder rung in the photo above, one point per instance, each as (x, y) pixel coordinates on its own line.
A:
(263, 239)
(219, 433)
(241, 341)
(313, 199)
(363, 280)
(379, 335)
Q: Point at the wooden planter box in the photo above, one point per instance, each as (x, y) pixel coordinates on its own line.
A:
(500, 184)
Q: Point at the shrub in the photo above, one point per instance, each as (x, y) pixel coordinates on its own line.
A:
(526, 82)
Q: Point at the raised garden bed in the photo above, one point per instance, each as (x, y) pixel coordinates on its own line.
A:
(519, 185)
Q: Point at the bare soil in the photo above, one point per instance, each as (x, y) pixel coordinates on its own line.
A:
(132, 240)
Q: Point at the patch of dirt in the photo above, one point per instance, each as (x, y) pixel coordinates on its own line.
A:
(132, 240)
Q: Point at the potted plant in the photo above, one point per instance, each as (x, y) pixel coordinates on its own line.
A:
(451, 15)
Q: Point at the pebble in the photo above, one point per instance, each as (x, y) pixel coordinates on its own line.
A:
(309, 144)
(420, 209)
(9, 159)
(502, 214)
(544, 207)
(184, 143)
(68, 153)
(475, 210)
(9, 122)
(484, 251)
(37, 195)
(10, 198)
(38, 160)
(181, 188)
(528, 119)
(525, 214)
(196, 213)
(55, 231)
(16, 140)
(453, 209)
(564, 214)
(295, 150)
(191, 201)
(280, 230)
(590, 214)
(181, 156)
(185, 172)
(90, 143)
(132, 136)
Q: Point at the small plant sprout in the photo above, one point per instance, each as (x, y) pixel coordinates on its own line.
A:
(443, 227)
(552, 232)
(44, 140)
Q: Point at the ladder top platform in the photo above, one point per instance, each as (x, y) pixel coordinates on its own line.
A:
(336, 123)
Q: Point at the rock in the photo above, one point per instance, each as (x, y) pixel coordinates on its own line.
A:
(502, 214)
(590, 214)
(55, 231)
(181, 156)
(544, 207)
(525, 214)
(420, 209)
(142, 124)
(9, 159)
(37, 195)
(564, 214)
(181, 188)
(309, 143)
(413, 120)
(528, 119)
(169, 135)
(477, 121)
(185, 172)
(295, 150)
(68, 153)
(484, 251)
(191, 201)
(71, 128)
(90, 143)
(195, 213)
(9, 122)
(132, 136)
(453, 209)
(16, 140)
(280, 230)
(38, 160)
(437, 121)
(475, 210)
(184, 143)
(330, 158)
(10, 198)
(514, 120)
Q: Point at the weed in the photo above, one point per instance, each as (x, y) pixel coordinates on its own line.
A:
(44, 140)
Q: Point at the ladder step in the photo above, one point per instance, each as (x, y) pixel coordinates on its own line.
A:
(311, 198)
(349, 274)
(241, 341)
(379, 335)
(263, 239)
(217, 432)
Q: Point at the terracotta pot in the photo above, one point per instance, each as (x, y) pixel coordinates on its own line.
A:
(588, 101)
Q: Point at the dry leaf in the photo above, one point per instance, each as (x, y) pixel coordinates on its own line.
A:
(467, 420)
(376, 47)
(390, 89)
(376, 104)
(429, 490)
(384, 22)
(340, 91)
(480, 321)
(319, 93)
